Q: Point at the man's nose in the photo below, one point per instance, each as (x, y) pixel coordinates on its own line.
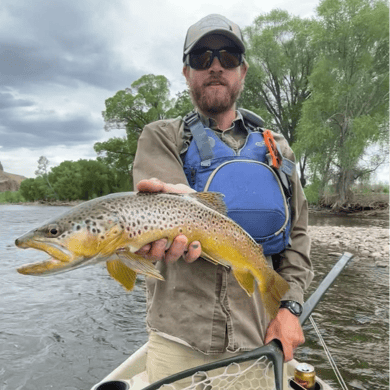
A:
(216, 65)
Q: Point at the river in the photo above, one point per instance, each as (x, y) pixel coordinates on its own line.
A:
(66, 332)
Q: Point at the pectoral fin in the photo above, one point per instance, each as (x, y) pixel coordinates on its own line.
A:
(211, 259)
(138, 263)
(246, 280)
(122, 274)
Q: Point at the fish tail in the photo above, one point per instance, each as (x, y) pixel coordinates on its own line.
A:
(272, 290)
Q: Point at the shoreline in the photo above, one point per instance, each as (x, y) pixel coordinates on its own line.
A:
(370, 244)
(319, 210)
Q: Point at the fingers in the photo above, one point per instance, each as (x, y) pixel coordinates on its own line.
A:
(194, 252)
(151, 185)
(156, 185)
(156, 250)
(286, 328)
(177, 249)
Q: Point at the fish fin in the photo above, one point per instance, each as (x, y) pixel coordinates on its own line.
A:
(272, 291)
(214, 200)
(207, 257)
(122, 274)
(138, 263)
(246, 280)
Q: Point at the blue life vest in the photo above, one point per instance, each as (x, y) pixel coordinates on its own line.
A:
(254, 194)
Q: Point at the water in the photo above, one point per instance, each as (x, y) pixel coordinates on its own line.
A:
(68, 331)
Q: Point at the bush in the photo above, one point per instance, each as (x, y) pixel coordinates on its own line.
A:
(11, 197)
(312, 192)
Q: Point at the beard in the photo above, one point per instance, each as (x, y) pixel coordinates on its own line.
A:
(212, 101)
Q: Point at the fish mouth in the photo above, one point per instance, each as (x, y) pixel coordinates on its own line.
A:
(60, 258)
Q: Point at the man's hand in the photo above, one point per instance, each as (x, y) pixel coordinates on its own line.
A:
(156, 185)
(158, 250)
(286, 328)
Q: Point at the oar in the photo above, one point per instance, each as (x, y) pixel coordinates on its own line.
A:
(273, 350)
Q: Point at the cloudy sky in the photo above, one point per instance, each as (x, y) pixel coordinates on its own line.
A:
(61, 59)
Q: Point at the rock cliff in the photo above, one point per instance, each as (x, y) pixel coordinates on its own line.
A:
(9, 181)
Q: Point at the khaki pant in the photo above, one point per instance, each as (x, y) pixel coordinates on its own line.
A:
(166, 357)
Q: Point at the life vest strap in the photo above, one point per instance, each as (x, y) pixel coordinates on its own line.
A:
(201, 139)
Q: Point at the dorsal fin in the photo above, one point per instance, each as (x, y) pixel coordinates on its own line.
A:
(214, 200)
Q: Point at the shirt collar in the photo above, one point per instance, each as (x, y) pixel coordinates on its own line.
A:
(210, 122)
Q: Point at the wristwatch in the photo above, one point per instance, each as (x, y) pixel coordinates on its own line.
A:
(293, 306)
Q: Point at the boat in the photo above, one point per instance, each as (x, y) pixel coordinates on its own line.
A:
(131, 374)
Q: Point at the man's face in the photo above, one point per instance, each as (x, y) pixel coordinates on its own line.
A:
(215, 90)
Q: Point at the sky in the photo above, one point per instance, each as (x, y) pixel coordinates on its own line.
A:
(61, 59)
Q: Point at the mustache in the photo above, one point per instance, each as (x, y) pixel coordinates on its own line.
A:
(212, 80)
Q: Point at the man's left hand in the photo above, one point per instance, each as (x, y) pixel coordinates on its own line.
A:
(286, 328)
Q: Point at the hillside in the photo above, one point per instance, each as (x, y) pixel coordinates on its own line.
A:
(9, 181)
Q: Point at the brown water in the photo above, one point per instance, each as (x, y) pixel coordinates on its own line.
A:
(68, 331)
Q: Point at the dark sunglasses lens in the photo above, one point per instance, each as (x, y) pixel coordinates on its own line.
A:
(229, 59)
(200, 60)
(203, 59)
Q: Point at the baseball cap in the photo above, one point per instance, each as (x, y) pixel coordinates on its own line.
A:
(216, 24)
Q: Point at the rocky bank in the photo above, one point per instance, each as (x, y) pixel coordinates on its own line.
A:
(371, 243)
(9, 181)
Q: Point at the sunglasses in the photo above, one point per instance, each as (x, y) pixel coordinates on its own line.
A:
(202, 59)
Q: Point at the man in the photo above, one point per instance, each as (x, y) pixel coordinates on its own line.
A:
(200, 313)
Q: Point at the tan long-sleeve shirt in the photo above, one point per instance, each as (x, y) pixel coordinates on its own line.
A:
(201, 304)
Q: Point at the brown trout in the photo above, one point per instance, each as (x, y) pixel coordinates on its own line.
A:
(113, 227)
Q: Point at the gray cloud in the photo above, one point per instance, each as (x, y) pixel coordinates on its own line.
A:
(47, 132)
(49, 47)
(57, 42)
(7, 101)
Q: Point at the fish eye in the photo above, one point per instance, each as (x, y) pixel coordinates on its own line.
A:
(53, 231)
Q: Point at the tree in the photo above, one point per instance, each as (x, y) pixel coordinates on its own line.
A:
(82, 179)
(118, 154)
(281, 57)
(42, 170)
(146, 101)
(347, 112)
(182, 105)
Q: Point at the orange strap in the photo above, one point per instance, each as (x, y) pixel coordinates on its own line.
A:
(273, 150)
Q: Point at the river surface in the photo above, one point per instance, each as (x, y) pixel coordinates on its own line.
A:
(66, 332)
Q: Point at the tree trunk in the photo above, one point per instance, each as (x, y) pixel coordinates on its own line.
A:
(345, 194)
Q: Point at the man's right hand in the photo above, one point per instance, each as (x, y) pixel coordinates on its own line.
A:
(158, 250)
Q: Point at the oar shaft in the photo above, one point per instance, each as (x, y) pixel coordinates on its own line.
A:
(316, 297)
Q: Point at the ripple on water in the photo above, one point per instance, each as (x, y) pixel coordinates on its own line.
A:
(68, 331)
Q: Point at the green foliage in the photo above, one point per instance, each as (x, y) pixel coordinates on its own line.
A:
(146, 101)
(312, 192)
(348, 107)
(11, 197)
(73, 180)
(35, 189)
(118, 155)
(82, 179)
(133, 108)
(182, 105)
(281, 58)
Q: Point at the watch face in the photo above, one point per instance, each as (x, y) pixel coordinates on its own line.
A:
(293, 306)
(296, 307)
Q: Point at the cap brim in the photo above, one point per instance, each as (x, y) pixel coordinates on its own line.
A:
(227, 33)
